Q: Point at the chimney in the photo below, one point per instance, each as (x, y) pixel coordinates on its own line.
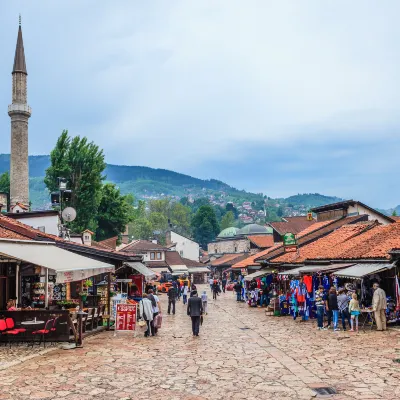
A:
(87, 237)
(154, 241)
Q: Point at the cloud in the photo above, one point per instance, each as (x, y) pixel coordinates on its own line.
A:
(202, 85)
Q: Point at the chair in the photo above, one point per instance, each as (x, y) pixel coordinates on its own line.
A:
(6, 329)
(89, 319)
(53, 328)
(101, 314)
(43, 332)
(95, 319)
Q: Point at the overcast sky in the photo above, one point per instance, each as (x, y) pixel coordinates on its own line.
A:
(280, 97)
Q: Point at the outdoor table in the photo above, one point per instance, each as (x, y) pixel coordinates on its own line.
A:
(367, 313)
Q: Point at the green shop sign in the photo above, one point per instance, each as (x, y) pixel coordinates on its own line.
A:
(289, 239)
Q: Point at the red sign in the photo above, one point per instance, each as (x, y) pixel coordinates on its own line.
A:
(137, 280)
(126, 317)
(290, 249)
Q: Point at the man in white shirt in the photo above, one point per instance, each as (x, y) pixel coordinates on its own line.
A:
(156, 310)
(185, 294)
(211, 281)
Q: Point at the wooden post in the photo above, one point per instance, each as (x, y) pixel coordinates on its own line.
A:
(17, 283)
(46, 289)
(108, 300)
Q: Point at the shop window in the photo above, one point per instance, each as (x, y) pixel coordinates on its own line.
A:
(152, 256)
(158, 254)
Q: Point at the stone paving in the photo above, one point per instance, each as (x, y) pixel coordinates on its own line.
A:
(240, 354)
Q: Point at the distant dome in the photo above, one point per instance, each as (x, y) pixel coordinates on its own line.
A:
(253, 229)
(228, 232)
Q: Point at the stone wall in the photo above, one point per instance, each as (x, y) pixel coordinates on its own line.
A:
(229, 246)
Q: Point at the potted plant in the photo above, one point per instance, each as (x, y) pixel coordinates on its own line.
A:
(83, 295)
(88, 283)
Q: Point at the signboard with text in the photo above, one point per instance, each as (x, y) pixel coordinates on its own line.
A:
(126, 317)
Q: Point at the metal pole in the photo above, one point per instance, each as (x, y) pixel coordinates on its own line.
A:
(46, 289)
(17, 282)
(108, 300)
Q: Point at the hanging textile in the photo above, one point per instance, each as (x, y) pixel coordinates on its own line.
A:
(397, 289)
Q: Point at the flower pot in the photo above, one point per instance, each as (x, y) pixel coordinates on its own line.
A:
(84, 297)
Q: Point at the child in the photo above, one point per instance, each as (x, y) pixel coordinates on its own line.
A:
(204, 301)
(354, 309)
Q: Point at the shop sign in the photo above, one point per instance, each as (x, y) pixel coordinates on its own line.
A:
(243, 271)
(123, 280)
(289, 239)
(290, 249)
(126, 317)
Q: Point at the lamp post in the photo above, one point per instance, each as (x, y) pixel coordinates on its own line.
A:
(57, 199)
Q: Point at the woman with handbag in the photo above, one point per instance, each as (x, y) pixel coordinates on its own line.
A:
(146, 313)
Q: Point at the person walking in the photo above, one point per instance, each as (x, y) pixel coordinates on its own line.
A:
(155, 302)
(211, 282)
(343, 304)
(195, 310)
(185, 291)
(319, 303)
(223, 284)
(146, 312)
(379, 305)
(171, 299)
(238, 290)
(204, 299)
(215, 289)
(333, 306)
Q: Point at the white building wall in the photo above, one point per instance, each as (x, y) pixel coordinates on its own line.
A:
(372, 216)
(187, 248)
(146, 256)
(50, 223)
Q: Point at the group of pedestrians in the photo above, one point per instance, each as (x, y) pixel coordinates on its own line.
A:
(150, 312)
(337, 303)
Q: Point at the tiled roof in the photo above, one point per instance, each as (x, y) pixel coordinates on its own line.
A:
(7, 234)
(229, 259)
(351, 242)
(292, 225)
(142, 245)
(192, 263)
(326, 247)
(313, 228)
(262, 241)
(110, 243)
(156, 264)
(250, 261)
(173, 258)
(315, 234)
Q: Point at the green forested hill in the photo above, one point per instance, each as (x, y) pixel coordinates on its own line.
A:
(146, 182)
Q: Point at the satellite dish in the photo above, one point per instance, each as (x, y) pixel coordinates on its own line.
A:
(69, 214)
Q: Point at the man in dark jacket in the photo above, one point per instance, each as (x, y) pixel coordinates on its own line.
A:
(238, 290)
(195, 310)
(223, 284)
(171, 299)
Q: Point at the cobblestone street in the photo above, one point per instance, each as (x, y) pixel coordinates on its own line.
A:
(240, 354)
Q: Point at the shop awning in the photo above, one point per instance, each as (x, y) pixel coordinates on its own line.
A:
(258, 274)
(68, 266)
(141, 268)
(198, 270)
(179, 268)
(360, 270)
(314, 268)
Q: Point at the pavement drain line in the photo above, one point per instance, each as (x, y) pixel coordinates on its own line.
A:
(313, 386)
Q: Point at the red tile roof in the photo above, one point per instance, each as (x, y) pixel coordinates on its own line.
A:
(292, 225)
(313, 227)
(192, 263)
(315, 234)
(229, 259)
(250, 261)
(351, 242)
(262, 241)
(173, 258)
(110, 244)
(142, 245)
(8, 234)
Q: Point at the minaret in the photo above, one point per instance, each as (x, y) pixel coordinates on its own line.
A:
(19, 111)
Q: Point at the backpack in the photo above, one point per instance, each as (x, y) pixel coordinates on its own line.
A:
(152, 299)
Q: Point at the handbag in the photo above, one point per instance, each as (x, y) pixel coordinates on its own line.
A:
(142, 323)
(157, 321)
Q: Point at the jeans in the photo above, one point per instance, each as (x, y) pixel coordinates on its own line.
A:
(147, 333)
(329, 315)
(152, 327)
(195, 325)
(238, 296)
(215, 295)
(171, 302)
(184, 298)
(264, 299)
(335, 314)
(344, 314)
(223, 288)
(320, 316)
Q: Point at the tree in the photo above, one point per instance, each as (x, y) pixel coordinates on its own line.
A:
(205, 225)
(227, 220)
(82, 164)
(279, 213)
(141, 229)
(5, 182)
(230, 207)
(113, 214)
(394, 213)
(159, 221)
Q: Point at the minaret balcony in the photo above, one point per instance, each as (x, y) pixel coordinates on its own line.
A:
(19, 109)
